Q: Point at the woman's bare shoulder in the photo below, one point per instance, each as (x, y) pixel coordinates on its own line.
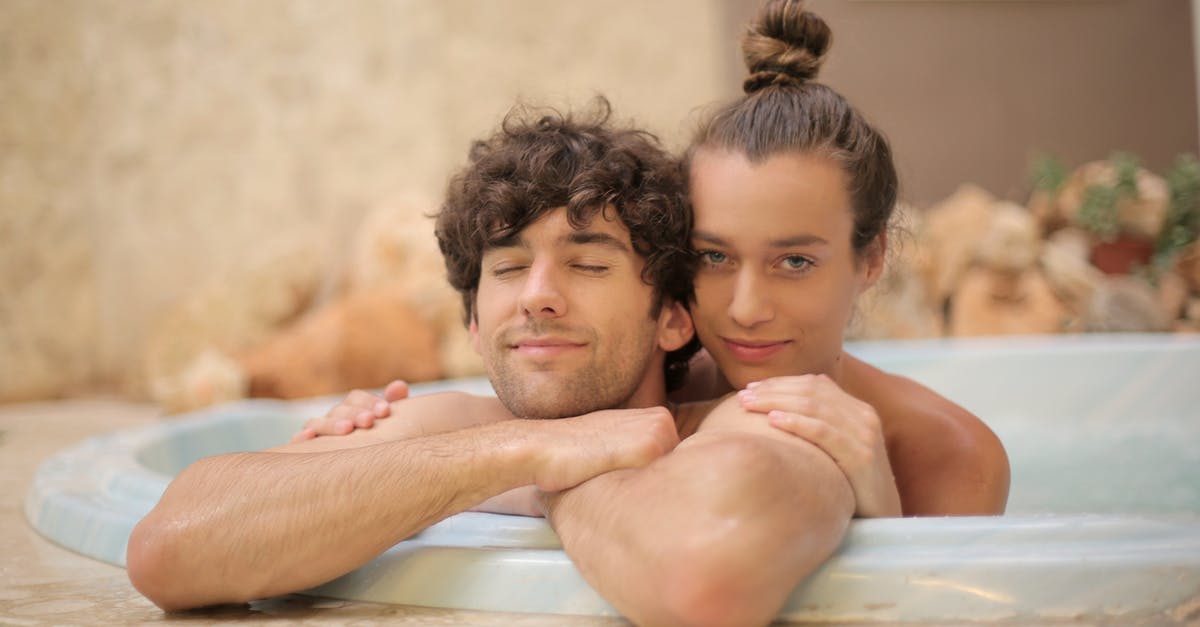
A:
(946, 459)
(906, 406)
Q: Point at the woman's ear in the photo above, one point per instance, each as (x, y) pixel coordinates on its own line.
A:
(675, 328)
(872, 260)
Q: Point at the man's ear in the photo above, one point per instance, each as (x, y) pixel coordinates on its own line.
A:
(675, 326)
(473, 329)
(872, 261)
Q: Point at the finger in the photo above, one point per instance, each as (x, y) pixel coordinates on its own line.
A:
(763, 402)
(396, 390)
(793, 384)
(366, 401)
(304, 434)
(342, 412)
(832, 403)
(818, 432)
(330, 426)
(364, 419)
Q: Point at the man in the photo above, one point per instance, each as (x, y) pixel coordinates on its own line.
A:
(568, 241)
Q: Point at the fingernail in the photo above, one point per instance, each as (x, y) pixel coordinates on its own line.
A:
(753, 384)
(746, 395)
(381, 408)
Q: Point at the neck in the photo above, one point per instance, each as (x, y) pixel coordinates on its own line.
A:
(652, 392)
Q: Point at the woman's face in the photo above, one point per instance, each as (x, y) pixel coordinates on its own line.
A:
(778, 274)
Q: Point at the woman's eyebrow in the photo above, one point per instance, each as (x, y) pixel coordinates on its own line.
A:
(709, 238)
(798, 240)
(785, 242)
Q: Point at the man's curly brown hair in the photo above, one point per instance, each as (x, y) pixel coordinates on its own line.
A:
(541, 160)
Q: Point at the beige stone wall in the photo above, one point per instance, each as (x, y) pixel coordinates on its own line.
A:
(150, 148)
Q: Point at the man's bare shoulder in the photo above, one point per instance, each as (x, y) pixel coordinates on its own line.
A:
(413, 417)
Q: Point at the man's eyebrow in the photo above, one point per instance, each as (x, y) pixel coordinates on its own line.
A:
(595, 237)
(512, 240)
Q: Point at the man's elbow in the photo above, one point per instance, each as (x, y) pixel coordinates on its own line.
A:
(147, 560)
(153, 561)
(752, 544)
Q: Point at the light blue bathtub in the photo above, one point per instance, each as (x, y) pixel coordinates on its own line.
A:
(1103, 433)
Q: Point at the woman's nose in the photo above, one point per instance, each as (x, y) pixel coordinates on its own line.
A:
(750, 304)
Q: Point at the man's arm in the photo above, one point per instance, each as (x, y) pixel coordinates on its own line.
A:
(244, 526)
(718, 532)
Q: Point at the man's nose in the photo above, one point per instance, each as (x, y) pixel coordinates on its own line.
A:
(750, 304)
(542, 296)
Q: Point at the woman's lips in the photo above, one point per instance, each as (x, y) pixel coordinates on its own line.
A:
(754, 350)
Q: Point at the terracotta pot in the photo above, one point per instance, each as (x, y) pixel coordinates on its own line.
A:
(1123, 254)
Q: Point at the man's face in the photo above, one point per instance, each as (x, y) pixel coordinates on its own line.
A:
(564, 322)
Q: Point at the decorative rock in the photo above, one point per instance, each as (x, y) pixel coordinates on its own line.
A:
(1124, 304)
(390, 250)
(228, 316)
(211, 378)
(1191, 311)
(1189, 267)
(1065, 266)
(363, 340)
(899, 305)
(1142, 216)
(1012, 241)
(1172, 294)
(1073, 241)
(1145, 215)
(1043, 205)
(990, 302)
(952, 232)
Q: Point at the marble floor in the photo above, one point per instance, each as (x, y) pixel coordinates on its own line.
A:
(44, 584)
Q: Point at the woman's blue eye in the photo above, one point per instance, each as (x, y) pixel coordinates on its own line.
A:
(713, 256)
(796, 262)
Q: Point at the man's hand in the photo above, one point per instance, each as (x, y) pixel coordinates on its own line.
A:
(814, 408)
(359, 410)
(588, 445)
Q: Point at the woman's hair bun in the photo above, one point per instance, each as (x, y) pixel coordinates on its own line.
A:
(784, 45)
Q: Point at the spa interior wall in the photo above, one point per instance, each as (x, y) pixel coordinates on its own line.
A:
(150, 150)
(147, 149)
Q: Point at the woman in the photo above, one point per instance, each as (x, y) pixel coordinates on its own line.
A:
(793, 191)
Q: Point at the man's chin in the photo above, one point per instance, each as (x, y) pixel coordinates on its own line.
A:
(542, 408)
(546, 395)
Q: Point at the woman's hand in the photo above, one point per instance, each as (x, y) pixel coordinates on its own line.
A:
(814, 408)
(359, 410)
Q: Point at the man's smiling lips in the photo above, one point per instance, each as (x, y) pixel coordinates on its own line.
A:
(545, 347)
(754, 350)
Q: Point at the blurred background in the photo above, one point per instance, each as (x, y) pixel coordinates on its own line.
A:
(200, 201)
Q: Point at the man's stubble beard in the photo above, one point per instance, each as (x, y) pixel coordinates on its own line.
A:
(606, 381)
